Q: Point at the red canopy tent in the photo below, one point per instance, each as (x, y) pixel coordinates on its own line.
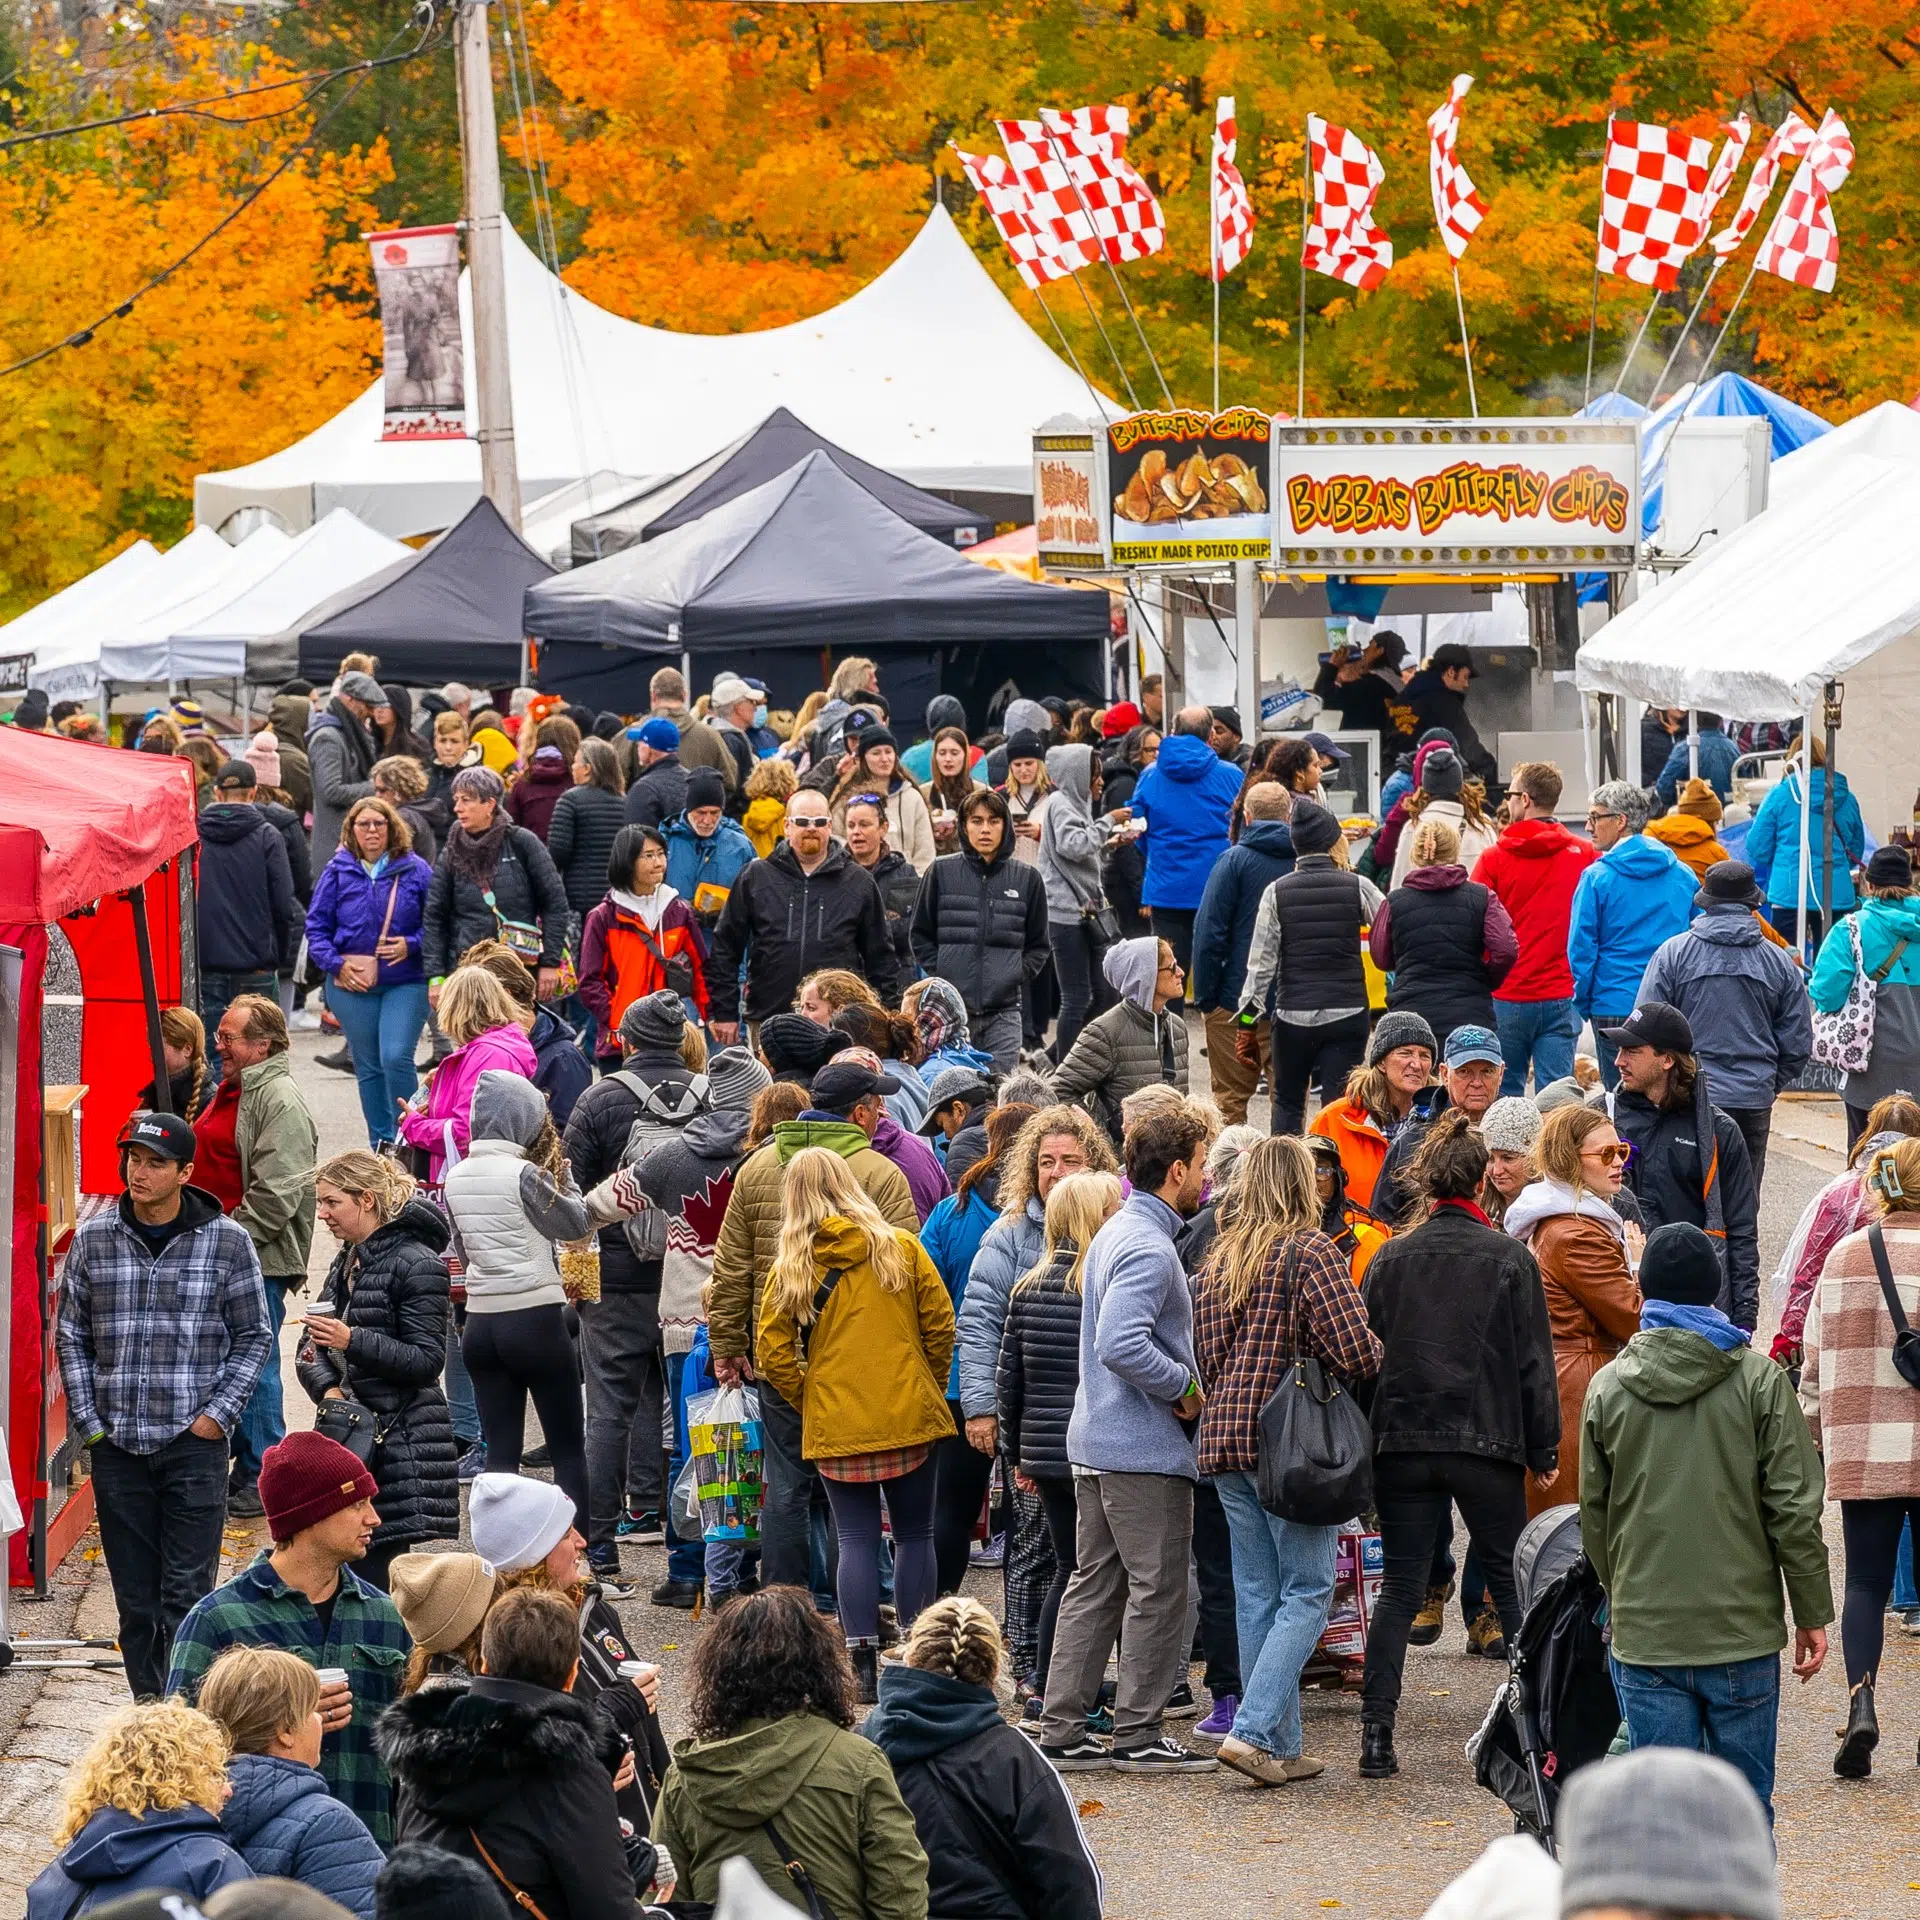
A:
(89, 840)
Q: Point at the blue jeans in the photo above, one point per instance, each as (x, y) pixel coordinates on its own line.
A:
(1732, 1710)
(1540, 1032)
(383, 1028)
(1282, 1587)
(458, 1382)
(218, 991)
(263, 1421)
(1905, 1599)
(1604, 1053)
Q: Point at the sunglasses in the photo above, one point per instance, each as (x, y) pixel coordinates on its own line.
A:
(810, 820)
(1615, 1156)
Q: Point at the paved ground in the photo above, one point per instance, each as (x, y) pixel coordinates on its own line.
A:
(1216, 1845)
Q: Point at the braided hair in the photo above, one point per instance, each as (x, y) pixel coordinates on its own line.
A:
(957, 1637)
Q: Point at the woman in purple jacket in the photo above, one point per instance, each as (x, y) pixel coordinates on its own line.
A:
(363, 932)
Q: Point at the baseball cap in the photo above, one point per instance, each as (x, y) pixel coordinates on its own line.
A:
(1328, 747)
(1467, 1044)
(658, 733)
(237, 773)
(167, 1134)
(850, 1076)
(1653, 1024)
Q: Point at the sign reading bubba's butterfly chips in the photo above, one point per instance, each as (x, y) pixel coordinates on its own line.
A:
(1456, 496)
(1190, 487)
(417, 270)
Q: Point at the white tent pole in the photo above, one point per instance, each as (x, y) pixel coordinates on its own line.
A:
(1806, 835)
(1693, 744)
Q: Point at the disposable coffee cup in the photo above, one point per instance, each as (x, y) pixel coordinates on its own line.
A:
(330, 1677)
(633, 1669)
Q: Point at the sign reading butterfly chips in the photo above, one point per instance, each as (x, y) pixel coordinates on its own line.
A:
(1190, 487)
(1457, 496)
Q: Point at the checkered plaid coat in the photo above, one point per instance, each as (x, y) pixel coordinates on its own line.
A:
(1867, 1417)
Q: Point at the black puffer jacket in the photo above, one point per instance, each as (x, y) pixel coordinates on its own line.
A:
(1468, 1366)
(580, 839)
(248, 920)
(286, 823)
(657, 794)
(982, 924)
(1040, 1372)
(526, 886)
(391, 1290)
(525, 1772)
(787, 923)
(899, 885)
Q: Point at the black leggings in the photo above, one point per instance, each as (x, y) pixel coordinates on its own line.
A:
(1063, 1522)
(1303, 1055)
(960, 1489)
(511, 1355)
(1871, 1530)
(856, 1516)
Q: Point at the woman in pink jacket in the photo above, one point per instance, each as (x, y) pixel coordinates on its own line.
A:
(477, 1014)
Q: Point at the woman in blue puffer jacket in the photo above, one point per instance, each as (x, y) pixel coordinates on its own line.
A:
(1773, 847)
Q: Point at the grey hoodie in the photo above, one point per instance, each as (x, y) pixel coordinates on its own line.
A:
(1071, 838)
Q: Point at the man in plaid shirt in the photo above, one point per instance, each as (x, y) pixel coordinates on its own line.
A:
(162, 1333)
(305, 1598)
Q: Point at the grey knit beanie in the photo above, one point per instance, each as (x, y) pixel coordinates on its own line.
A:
(1400, 1030)
(655, 1022)
(1666, 1830)
(1511, 1125)
(735, 1077)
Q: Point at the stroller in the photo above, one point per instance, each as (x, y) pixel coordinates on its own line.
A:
(1557, 1710)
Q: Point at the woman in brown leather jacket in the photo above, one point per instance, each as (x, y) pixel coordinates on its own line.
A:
(1586, 1254)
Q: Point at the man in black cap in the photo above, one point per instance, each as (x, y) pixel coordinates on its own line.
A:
(1743, 996)
(1225, 737)
(249, 918)
(1361, 685)
(1437, 695)
(163, 1331)
(1690, 1160)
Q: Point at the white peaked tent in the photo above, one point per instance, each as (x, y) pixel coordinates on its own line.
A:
(546, 524)
(134, 650)
(36, 630)
(928, 371)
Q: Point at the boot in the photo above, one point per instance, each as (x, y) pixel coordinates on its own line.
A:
(1431, 1617)
(1854, 1761)
(1377, 1758)
(1485, 1636)
(865, 1655)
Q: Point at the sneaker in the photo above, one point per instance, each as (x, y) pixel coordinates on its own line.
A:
(1163, 1756)
(1910, 1621)
(540, 1456)
(1267, 1768)
(1431, 1617)
(1219, 1723)
(1181, 1705)
(988, 1553)
(1485, 1638)
(303, 1020)
(603, 1562)
(643, 1528)
(1034, 1711)
(340, 1060)
(1083, 1756)
(243, 1503)
(684, 1594)
(473, 1463)
(1100, 1721)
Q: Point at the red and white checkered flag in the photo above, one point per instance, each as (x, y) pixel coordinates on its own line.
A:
(1791, 138)
(1802, 245)
(1053, 201)
(1733, 149)
(1341, 240)
(1092, 144)
(1457, 206)
(1231, 206)
(1653, 184)
(1033, 254)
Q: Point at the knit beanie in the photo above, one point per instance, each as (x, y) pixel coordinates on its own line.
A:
(705, 789)
(517, 1522)
(441, 1597)
(30, 716)
(1564, 1092)
(308, 1478)
(1679, 1264)
(263, 755)
(1028, 744)
(1890, 867)
(189, 714)
(1314, 829)
(796, 1048)
(420, 1882)
(654, 1022)
(1666, 1830)
(1400, 1030)
(877, 737)
(1700, 800)
(735, 1078)
(1510, 1125)
(1442, 775)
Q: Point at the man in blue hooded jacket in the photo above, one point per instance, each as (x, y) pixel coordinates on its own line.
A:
(1186, 798)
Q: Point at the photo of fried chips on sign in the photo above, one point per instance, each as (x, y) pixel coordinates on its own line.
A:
(1197, 480)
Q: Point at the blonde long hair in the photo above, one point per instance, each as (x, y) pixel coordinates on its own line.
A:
(1473, 804)
(819, 1186)
(1077, 1208)
(1273, 1197)
(1563, 1138)
(183, 1028)
(153, 1757)
(369, 1176)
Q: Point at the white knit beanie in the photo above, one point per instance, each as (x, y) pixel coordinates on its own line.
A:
(517, 1522)
(1510, 1125)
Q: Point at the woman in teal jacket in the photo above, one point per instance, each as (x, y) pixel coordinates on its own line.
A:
(1773, 846)
(1887, 929)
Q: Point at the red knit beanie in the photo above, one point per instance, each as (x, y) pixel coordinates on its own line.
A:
(308, 1478)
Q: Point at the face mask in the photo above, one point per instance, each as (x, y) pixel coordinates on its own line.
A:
(760, 714)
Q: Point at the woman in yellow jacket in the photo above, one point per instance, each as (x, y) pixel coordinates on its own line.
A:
(856, 1330)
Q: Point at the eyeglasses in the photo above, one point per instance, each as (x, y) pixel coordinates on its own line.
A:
(1602, 813)
(1616, 1155)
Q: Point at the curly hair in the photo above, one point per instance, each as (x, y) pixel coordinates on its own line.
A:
(153, 1757)
(767, 1656)
(771, 1105)
(772, 779)
(1021, 1179)
(958, 1637)
(838, 987)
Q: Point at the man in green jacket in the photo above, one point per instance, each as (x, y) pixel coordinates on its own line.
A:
(1701, 1491)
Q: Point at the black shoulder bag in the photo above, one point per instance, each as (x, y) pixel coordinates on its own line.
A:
(1315, 1460)
(1906, 1343)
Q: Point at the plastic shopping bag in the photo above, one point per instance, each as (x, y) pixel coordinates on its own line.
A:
(728, 1458)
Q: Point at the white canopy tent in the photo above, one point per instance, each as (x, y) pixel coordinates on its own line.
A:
(37, 630)
(135, 649)
(546, 524)
(928, 371)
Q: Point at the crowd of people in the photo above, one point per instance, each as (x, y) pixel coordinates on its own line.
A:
(727, 1049)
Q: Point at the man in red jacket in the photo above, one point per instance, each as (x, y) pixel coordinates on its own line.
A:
(1533, 869)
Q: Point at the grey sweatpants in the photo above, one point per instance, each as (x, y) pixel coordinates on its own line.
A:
(1133, 1542)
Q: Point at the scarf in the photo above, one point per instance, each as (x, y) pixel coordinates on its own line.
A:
(360, 746)
(1464, 1206)
(377, 868)
(1708, 1322)
(940, 1017)
(474, 856)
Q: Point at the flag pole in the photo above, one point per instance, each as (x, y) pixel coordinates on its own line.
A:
(1661, 379)
(1126, 379)
(1466, 346)
(1593, 322)
(1306, 216)
(1165, 390)
(1213, 267)
(1713, 352)
(1066, 347)
(1645, 322)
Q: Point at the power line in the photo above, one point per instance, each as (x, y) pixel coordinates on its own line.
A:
(427, 43)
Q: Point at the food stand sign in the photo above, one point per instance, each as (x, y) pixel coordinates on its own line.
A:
(1069, 535)
(1190, 488)
(14, 669)
(1456, 496)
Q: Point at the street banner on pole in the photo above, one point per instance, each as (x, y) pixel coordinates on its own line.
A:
(417, 272)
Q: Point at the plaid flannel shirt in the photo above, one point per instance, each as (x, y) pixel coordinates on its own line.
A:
(1242, 1354)
(147, 1345)
(256, 1608)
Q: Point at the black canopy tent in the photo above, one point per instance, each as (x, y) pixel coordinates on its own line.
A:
(450, 611)
(806, 564)
(780, 441)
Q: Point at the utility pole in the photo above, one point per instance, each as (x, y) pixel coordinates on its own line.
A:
(486, 260)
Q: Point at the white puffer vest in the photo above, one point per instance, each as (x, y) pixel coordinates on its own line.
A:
(509, 1265)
